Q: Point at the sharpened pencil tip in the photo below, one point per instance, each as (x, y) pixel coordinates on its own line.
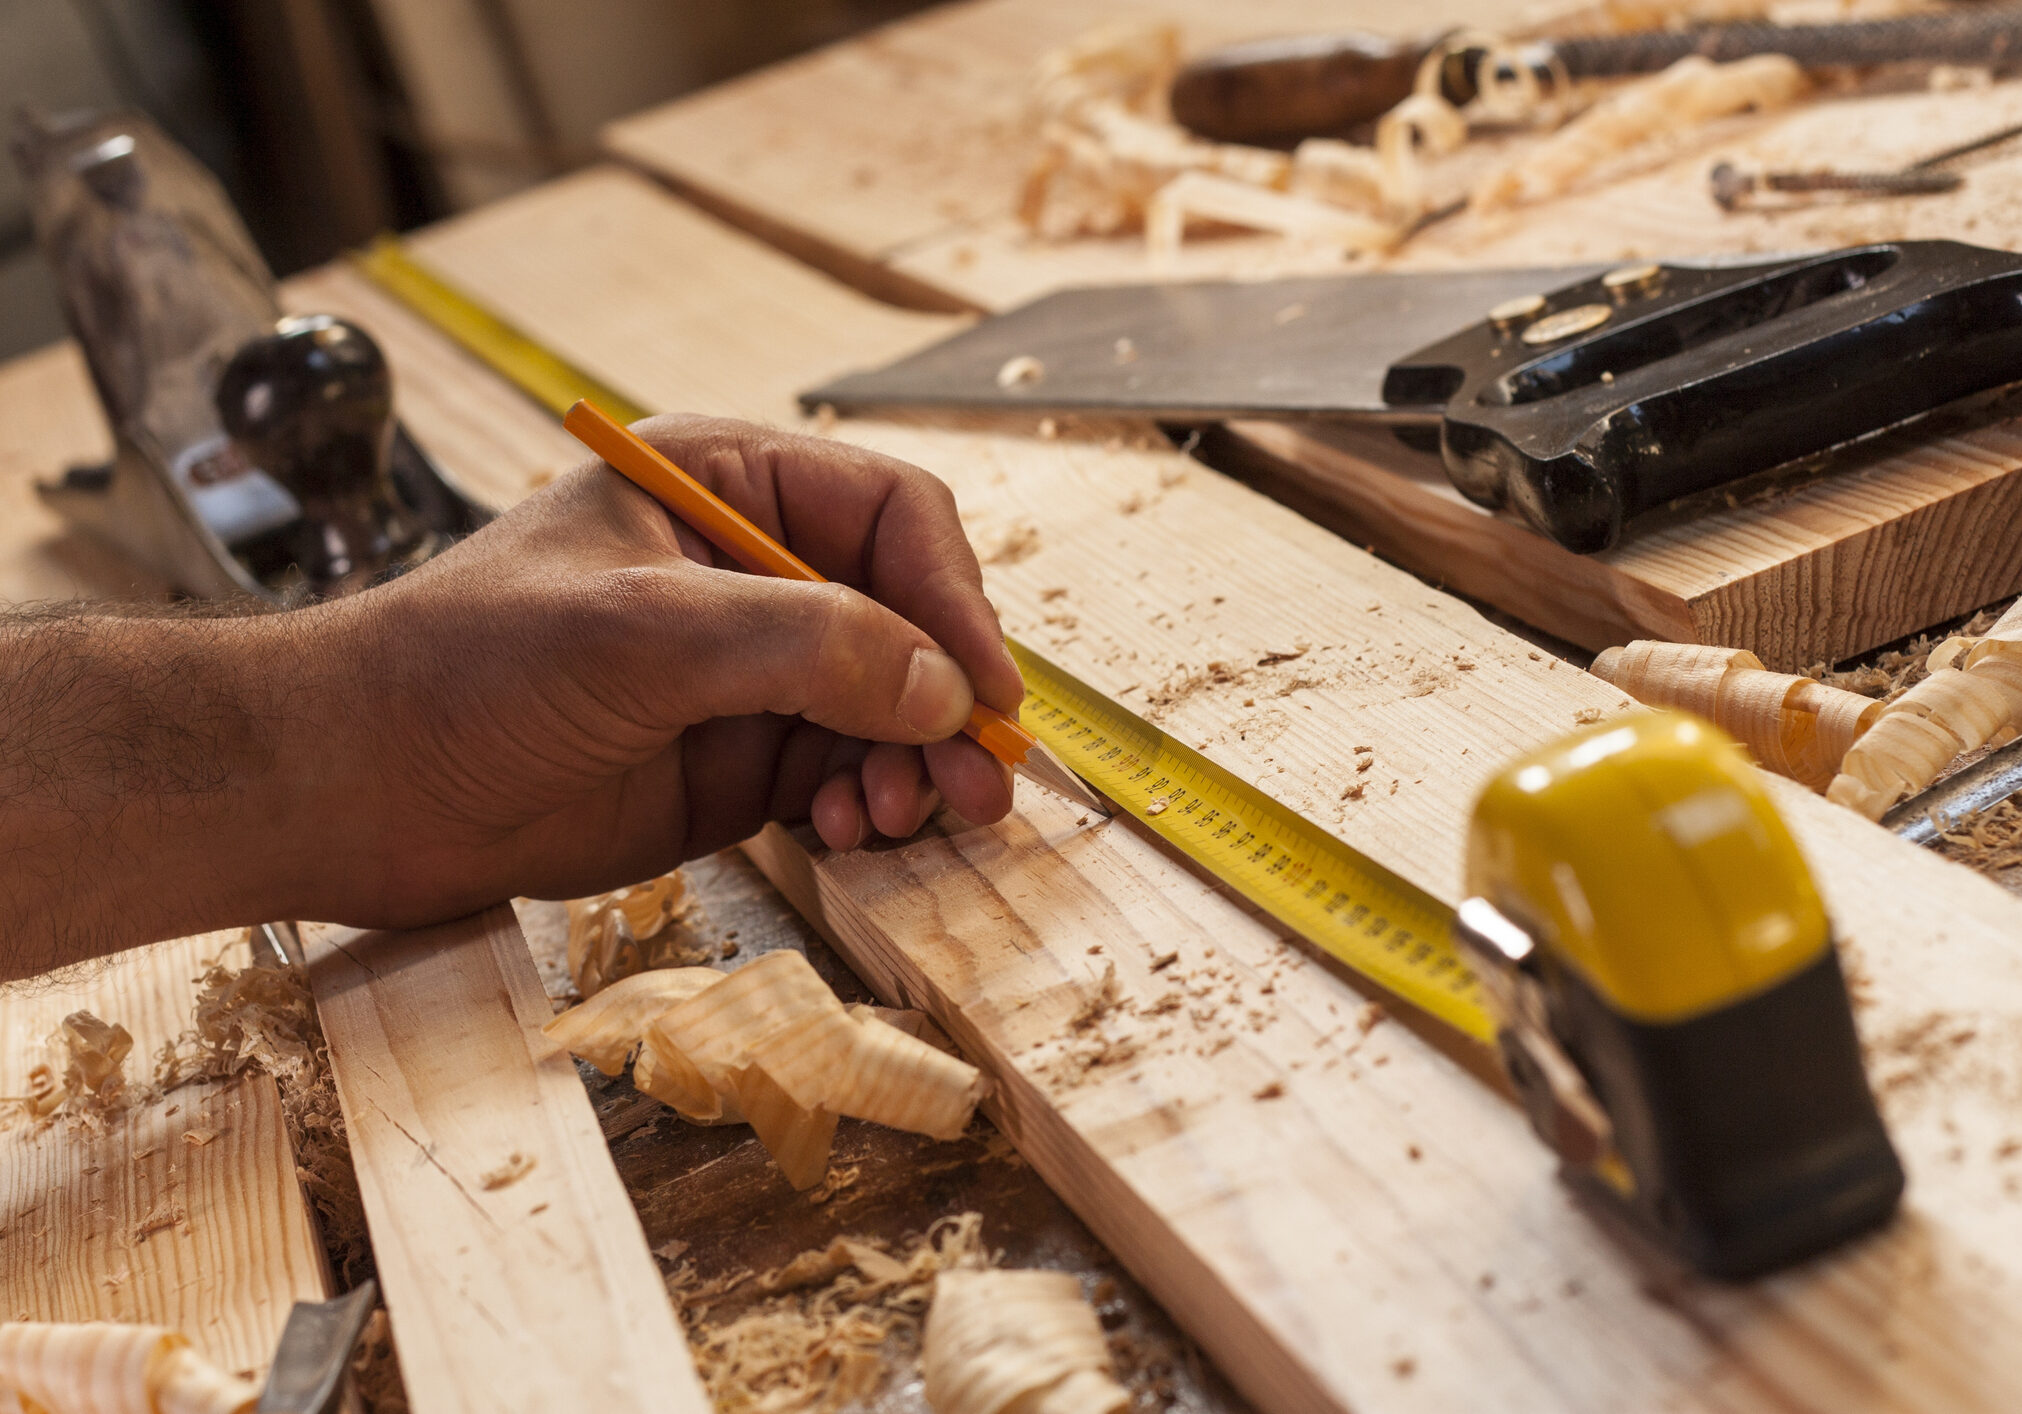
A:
(1043, 768)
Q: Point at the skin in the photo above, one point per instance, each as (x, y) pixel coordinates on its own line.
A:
(580, 695)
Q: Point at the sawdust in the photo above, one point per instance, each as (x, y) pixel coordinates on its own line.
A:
(1990, 841)
(517, 1166)
(1014, 546)
(265, 1017)
(1890, 673)
(375, 1368)
(826, 1330)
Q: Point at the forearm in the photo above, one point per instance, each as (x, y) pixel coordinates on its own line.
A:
(139, 790)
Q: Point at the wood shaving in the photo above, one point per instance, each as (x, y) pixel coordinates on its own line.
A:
(631, 930)
(85, 1073)
(609, 1026)
(1025, 1341)
(1795, 726)
(101, 1368)
(265, 1018)
(1020, 370)
(1971, 698)
(1202, 197)
(827, 1330)
(771, 1046)
(1694, 90)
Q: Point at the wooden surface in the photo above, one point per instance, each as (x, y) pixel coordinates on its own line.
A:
(144, 1218)
(915, 135)
(514, 1270)
(736, 329)
(711, 1199)
(903, 154)
(50, 420)
(1384, 1233)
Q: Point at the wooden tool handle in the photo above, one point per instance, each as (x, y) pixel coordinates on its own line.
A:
(716, 521)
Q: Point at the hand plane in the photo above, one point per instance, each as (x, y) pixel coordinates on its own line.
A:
(1577, 397)
(255, 454)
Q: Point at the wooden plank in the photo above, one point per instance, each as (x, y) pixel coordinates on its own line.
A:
(145, 1218)
(858, 152)
(53, 421)
(736, 340)
(1345, 1220)
(1827, 569)
(515, 1271)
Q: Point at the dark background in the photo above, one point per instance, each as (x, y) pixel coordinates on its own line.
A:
(331, 120)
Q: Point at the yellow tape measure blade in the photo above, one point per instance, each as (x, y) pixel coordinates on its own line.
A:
(1382, 926)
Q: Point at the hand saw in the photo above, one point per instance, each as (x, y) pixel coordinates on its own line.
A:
(1578, 397)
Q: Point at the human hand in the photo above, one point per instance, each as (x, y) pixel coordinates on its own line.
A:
(585, 693)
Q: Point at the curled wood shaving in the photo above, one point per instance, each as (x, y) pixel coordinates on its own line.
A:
(769, 1044)
(1693, 90)
(607, 1027)
(826, 1330)
(1022, 1341)
(101, 1368)
(1795, 726)
(85, 1073)
(1972, 698)
(630, 930)
(1201, 196)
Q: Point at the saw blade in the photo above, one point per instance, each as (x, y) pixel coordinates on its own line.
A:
(1301, 349)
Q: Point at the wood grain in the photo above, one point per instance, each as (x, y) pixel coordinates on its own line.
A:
(515, 1270)
(52, 421)
(737, 329)
(1379, 1231)
(1884, 546)
(185, 1211)
(870, 147)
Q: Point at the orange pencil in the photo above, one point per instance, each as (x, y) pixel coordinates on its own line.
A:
(716, 521)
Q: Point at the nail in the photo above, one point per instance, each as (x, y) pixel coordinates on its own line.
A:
(937, 696)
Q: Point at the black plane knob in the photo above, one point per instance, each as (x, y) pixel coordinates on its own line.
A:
(312, 405)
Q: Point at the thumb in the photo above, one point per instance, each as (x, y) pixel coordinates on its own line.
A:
(819, 651)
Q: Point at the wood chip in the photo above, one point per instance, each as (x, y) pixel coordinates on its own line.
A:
(103, 1368)
(516, 1167)
(1000, 1341)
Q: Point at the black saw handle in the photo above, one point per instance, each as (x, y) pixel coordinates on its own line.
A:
(1623, 392)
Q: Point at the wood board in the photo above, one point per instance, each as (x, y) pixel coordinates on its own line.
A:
(514, 1269)
(53, 421)
(184, 1211)
(1344, 1219)
(1891, 542)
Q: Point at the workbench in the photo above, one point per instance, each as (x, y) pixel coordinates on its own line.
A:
(1330, 1202)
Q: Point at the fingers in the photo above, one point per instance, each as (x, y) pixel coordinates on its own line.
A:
(975, 784)
(839, 814)
(723, 645)
(862, 519)
(896, 790)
